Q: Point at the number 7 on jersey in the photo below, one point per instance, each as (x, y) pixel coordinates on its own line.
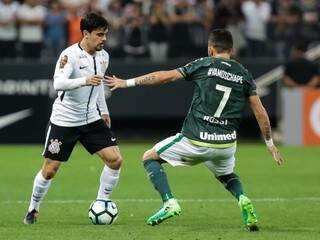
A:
(226, 94)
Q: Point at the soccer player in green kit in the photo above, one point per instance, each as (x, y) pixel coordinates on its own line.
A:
(209, 132)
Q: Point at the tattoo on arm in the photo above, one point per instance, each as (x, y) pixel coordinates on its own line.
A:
(264, 124)
(147, 80)
(266, 130)
(159, 77)
(261, 117)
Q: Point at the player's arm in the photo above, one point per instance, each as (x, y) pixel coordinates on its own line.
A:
(264, 124)
(154, 78)
(102, 105)
(63, 71)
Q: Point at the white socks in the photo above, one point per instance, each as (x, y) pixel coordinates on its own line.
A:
(40, 188)
(108, 180)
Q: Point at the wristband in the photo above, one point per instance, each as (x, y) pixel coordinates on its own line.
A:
(269, 142)
(131, 82)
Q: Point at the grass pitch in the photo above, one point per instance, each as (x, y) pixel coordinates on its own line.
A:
(287, 198)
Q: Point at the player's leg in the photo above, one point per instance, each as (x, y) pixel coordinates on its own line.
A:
(98, 138)
(41, 184)
(222, 166)
(110, 174)
(233, 184)
(177, 151)
(152, 164)
(58, 147)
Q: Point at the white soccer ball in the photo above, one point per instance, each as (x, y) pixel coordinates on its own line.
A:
(103, 212)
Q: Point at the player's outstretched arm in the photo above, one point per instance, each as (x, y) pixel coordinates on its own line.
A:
(154, 78)
(264, 124)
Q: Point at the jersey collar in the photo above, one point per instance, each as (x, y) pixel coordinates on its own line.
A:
(85, 52)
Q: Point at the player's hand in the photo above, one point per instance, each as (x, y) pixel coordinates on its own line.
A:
(106, 118)
(113, 82)
(275, 154)
(94, 80)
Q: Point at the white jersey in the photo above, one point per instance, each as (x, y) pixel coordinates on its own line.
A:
(78, 104)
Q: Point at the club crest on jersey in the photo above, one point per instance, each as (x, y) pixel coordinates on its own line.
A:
(54, 146)
(63, 61)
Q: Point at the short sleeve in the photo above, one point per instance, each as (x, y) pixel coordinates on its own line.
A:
(250, 88)
(188, 69)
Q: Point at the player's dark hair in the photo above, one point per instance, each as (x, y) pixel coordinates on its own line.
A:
(93, 21)
(221, 40)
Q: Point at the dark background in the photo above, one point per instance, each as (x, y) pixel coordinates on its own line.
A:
(147, 112)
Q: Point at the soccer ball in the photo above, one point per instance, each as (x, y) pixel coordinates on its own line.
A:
(102, 212)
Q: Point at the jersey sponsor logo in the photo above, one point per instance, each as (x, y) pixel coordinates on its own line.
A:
(11, 118)
(82, 67)
(54, 146)
(63, 61)
(225, 75)
(218, 137)
(211, 119)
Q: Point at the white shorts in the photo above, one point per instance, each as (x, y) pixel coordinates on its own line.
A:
(179, 151)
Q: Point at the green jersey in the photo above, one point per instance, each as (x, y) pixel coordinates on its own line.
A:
(222, 87)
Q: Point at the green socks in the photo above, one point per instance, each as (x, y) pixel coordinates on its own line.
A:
(158, 178)
(232, 183)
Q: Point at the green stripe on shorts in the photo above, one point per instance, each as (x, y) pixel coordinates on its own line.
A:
(174, 141)
(212, 145)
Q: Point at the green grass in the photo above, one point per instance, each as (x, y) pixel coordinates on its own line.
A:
(287, 198)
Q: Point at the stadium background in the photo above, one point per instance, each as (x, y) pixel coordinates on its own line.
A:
(143, 36)
(287, 198)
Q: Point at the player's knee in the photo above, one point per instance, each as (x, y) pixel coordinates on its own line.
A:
(49, 172)
(50, 168)
(149, 154)
(114, 161)
(118, 162)
(146, 155)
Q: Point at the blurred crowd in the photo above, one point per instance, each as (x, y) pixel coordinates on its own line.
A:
(159, 29)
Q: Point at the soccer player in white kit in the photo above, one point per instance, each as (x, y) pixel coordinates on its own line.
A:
(79, 113)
